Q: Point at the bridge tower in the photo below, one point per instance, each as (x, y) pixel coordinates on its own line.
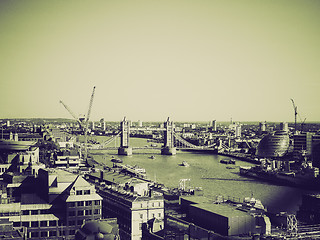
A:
(168, 147)
(124, 148)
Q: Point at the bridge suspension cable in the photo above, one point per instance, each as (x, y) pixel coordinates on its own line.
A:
(110, 140)
(185, 143)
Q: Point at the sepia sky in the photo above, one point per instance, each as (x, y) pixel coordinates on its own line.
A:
(192, 60)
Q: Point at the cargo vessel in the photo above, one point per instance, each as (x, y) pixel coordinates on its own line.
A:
(304, 177)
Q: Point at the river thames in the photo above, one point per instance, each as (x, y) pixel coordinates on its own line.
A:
(205, 171)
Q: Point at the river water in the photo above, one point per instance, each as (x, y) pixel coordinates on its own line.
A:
(206, 171)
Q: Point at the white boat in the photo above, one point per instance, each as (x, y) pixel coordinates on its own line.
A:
(185, 164)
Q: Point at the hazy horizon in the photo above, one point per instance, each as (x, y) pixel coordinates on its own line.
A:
(187, 60)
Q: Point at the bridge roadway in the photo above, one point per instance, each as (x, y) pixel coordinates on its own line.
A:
(146, 129)
(158, 148)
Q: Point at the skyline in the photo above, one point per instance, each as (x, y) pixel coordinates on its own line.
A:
(187, 60)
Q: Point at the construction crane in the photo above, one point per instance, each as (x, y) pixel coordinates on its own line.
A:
(295, 117)
(72, 114)
(86, 124)
(295, 108)
(302, 123)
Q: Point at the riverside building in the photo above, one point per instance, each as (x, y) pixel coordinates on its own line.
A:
(130, 200)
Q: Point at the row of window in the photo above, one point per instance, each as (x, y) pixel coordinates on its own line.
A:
(44, 234)
(9, 214)
(36, 224)
(153, 215)
(35, 212)
(84, 203)
(83, 192)
(153, 204)
(83, 212)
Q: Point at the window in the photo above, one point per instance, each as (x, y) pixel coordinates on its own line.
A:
(159, 214)
(79, 222)
(152, 215)
(52, 223)
(86, 192)
(43, 223)
(34, 212)
(25, 212)
(34, 224)
(88, 203)
(72, 204)
(96, 202)
(44, 234)
(141, 216)
(80, 203)
(16, 224)
(97, 211)
(72, 213)
(80, 213)
(72, 223)
(88, 212)
(79, 192)
(52, 233)
(152, 204)
(25, 224)
(72, 232)
(34, 234)
(43, 211)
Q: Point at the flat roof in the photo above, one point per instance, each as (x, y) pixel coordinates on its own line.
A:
(114, 177)
(222, 209)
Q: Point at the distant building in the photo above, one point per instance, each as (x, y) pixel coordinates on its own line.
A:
(302, 143)
(284, 126)
(275, 144)
(262, 127)
(214, 126)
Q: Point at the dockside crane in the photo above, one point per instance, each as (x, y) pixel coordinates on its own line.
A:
(86, 124)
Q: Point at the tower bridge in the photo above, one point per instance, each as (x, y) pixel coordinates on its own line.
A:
(172, 141)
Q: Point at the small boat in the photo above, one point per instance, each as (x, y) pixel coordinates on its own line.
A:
(230, 167)
(184, 164)
(228, 161)
(116, 160)
(152, 157)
